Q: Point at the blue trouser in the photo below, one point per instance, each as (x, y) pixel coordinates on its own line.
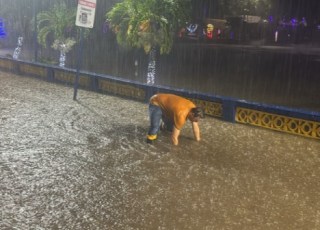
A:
(155, 115)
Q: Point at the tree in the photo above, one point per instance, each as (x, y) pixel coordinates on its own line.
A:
(240, 7)
(59, 23)
(149, 24)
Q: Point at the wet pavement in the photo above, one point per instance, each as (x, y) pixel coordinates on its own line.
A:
(84, 164)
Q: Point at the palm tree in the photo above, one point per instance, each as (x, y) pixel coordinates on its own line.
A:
(149, 24)
(59, 23)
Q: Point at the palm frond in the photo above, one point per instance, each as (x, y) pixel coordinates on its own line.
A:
(59, 22)
(147, 23)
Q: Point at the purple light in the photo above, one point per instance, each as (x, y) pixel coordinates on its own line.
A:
(294, 22)
(270, 18)
(2, 29)
(304, 21)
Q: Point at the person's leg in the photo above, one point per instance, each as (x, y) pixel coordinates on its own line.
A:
(155, 115)
(167, 124)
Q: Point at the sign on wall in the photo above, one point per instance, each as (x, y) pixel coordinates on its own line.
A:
(85, 13)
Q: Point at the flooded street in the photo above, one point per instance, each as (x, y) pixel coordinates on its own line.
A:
(85, 164)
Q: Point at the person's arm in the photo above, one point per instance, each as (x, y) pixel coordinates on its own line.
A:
(196, 130)
(174, 136)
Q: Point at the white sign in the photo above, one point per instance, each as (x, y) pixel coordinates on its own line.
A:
(85, 13)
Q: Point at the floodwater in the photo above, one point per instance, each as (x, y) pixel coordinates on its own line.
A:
(84, 164)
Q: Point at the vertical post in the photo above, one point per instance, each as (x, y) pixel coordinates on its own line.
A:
(85, 18)
(229, 110)
(35, 31)
(76, 82)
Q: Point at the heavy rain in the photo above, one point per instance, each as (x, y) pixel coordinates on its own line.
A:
(85, 164)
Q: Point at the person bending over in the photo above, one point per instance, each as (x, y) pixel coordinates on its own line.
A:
(174, 111)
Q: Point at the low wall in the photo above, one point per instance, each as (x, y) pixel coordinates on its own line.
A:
(298, 122)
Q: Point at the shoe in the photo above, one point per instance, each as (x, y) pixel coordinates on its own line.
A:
(151, 138)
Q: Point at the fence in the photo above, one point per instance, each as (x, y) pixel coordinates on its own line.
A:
(279, 118)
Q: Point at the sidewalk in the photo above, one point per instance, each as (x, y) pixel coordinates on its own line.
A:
(84, 164)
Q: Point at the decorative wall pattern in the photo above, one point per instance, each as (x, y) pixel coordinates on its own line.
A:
(210, 108)
(278, 122)
(6, 64)
(122, 89)
(70, 78)
(33, 70)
